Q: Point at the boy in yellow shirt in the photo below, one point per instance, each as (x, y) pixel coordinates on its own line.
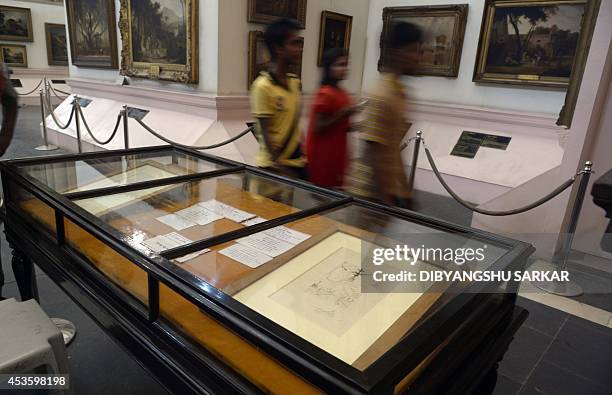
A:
(276, 103)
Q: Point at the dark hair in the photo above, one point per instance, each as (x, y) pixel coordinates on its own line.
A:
(402, 34)
(277, 34)
(329, 58)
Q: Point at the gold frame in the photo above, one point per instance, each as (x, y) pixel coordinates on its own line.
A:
(25, 55)
(254, 36)
(83, 60)
(30, 37)
(50, 60)
(519, 79)
(187, 73)
(458, 11)
(325, 15)
(254, 17)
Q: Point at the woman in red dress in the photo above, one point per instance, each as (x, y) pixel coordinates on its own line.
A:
(326, 143)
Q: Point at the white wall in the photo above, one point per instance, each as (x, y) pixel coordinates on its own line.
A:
(41, 14)
(460, 90)
(234, 43)
(208, 55)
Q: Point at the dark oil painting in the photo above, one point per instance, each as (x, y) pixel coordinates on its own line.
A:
(159, 31)
(534, 40)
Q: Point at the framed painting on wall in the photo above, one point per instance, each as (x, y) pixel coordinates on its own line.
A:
(160, 39)
(268, 11)
(335, 33)
(14, 55)
(530, 42)
(443, 29)
(93, 37)
(259, 57)
(15, 24)
(57, 53)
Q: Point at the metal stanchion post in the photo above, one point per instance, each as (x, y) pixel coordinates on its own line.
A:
(569, 288)
(46, 146)
(415, 158)
(126, 136)
(77, 121)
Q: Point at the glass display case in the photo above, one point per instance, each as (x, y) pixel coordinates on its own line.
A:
(218, 275)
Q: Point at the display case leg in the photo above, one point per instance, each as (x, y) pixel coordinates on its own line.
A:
(23, 268)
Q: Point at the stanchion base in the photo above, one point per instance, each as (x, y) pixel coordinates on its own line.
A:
(66, 327)
(559, 288)
(46, 147)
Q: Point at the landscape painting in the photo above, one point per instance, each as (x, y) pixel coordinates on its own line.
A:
(162, 36)
(335, 33)
(57, 53)
(14, 55)
(15, 24)
(93, 37)
(530, 43)
(268, 11)
(259, 57)
(443, 31)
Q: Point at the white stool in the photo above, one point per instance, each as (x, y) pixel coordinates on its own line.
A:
(29, 340)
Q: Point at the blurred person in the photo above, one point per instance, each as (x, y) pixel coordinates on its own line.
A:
(276, 103)
(379, 174)
(326, 143)
(8, 99)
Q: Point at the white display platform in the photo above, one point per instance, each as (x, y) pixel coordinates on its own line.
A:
(189, 127)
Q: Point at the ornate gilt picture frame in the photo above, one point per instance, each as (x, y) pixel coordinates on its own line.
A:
(268, 11)
(335, 33)
(259, 57)
(92, 32)
(15, 24)
(160, 43)
(443, 30)
(532, 43)
(14, 55)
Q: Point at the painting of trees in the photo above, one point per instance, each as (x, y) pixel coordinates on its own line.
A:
(159, 31)
(92, 28)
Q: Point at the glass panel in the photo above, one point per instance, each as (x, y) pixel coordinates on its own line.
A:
(242, 356)
(198, 210)
(315, 277)
(34, 207)
(115, 266)
(88, 174)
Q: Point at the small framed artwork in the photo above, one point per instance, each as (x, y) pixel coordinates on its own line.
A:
(93, 37)
(259, 57)
(268, 11)
(335, 33)
(57, 53)
(15, 24)
(530, 42)
(14, 55)
(443, 29)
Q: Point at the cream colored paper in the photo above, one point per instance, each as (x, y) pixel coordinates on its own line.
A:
(245, 255)
(289, 297)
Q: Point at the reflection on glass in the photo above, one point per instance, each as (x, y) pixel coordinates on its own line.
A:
(199, 209)
(88, 174)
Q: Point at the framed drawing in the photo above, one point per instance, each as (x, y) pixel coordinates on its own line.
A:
(267, 11)
(15, 24)
(57, 53)
(93, 37)
(530, 42)
(443, 30)
(14, 55)
(160, 41)
(259, 57)
(335, 33)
